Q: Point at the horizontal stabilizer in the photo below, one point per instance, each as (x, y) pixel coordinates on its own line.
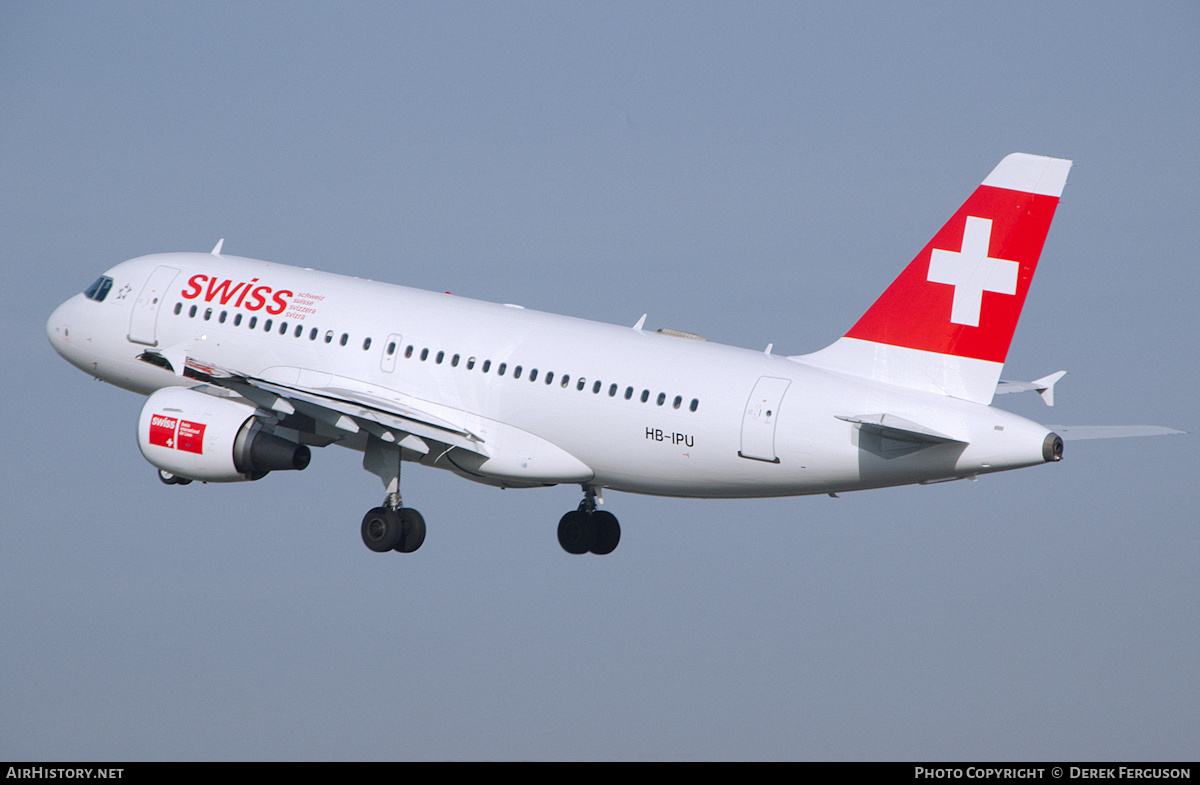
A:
(1080, 432)
(1043, 386)
(890, 426)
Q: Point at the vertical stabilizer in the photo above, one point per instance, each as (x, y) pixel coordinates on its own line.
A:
(945, 324)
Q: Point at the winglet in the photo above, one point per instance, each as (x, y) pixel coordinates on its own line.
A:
(216, 251)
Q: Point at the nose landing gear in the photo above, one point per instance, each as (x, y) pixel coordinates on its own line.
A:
(172, 479)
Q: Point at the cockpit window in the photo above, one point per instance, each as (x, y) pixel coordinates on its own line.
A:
(99, 290)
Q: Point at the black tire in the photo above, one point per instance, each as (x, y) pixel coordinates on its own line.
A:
(608, 532)
(381, 529)
(576, 532)
(413, 530)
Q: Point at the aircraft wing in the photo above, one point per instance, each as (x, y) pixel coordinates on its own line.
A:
(344, 409)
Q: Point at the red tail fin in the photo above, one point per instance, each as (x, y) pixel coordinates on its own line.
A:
(946, 322)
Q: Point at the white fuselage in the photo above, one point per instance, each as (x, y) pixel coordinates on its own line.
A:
(761, 425)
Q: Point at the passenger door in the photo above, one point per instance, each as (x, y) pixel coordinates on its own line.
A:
(145, 310)
(758, 421)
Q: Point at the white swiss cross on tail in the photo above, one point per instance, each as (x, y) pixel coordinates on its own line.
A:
(972, 272)
(945, 323)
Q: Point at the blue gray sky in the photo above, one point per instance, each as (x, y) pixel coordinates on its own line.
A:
(756, 173)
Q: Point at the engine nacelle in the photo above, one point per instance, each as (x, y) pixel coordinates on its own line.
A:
(203, 437)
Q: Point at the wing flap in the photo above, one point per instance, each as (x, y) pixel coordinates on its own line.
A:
(395, 420)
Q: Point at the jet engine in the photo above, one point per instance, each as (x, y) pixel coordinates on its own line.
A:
(202, 437)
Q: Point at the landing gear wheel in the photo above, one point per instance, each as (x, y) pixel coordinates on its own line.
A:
(413, 528)
(382, 529)
(608, 532)
(576, 532)
(172, 479)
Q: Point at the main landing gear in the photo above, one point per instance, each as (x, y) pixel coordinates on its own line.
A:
(588, 530)
(392, 526)
(386, 528)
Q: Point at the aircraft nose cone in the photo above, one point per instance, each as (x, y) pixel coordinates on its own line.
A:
(56, 328)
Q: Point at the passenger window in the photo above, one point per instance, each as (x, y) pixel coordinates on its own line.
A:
(500, 369)
(299, 331)
(596, 388)
(408, 352)
(440, 355)
(391, 348)
(486, 365)
(283, 328)
(470, 363)
(367, 344)
(328, 336)
(662, 397)
(178, 308)
(192, 312)
(645, 395)
(695, 404)
(628, 393)
(312, 334)
(253, 321)
(345, 338)
(612, 390)
(454, 361)
(267, 326)
(237, 320)
(424, 355)
(517, 372)
(678, 400)
(221, 318)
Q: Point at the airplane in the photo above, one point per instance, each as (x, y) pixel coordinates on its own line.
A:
(248, 365)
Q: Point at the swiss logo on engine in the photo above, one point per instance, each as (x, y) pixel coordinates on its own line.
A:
(176, 434)
(162, 430)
